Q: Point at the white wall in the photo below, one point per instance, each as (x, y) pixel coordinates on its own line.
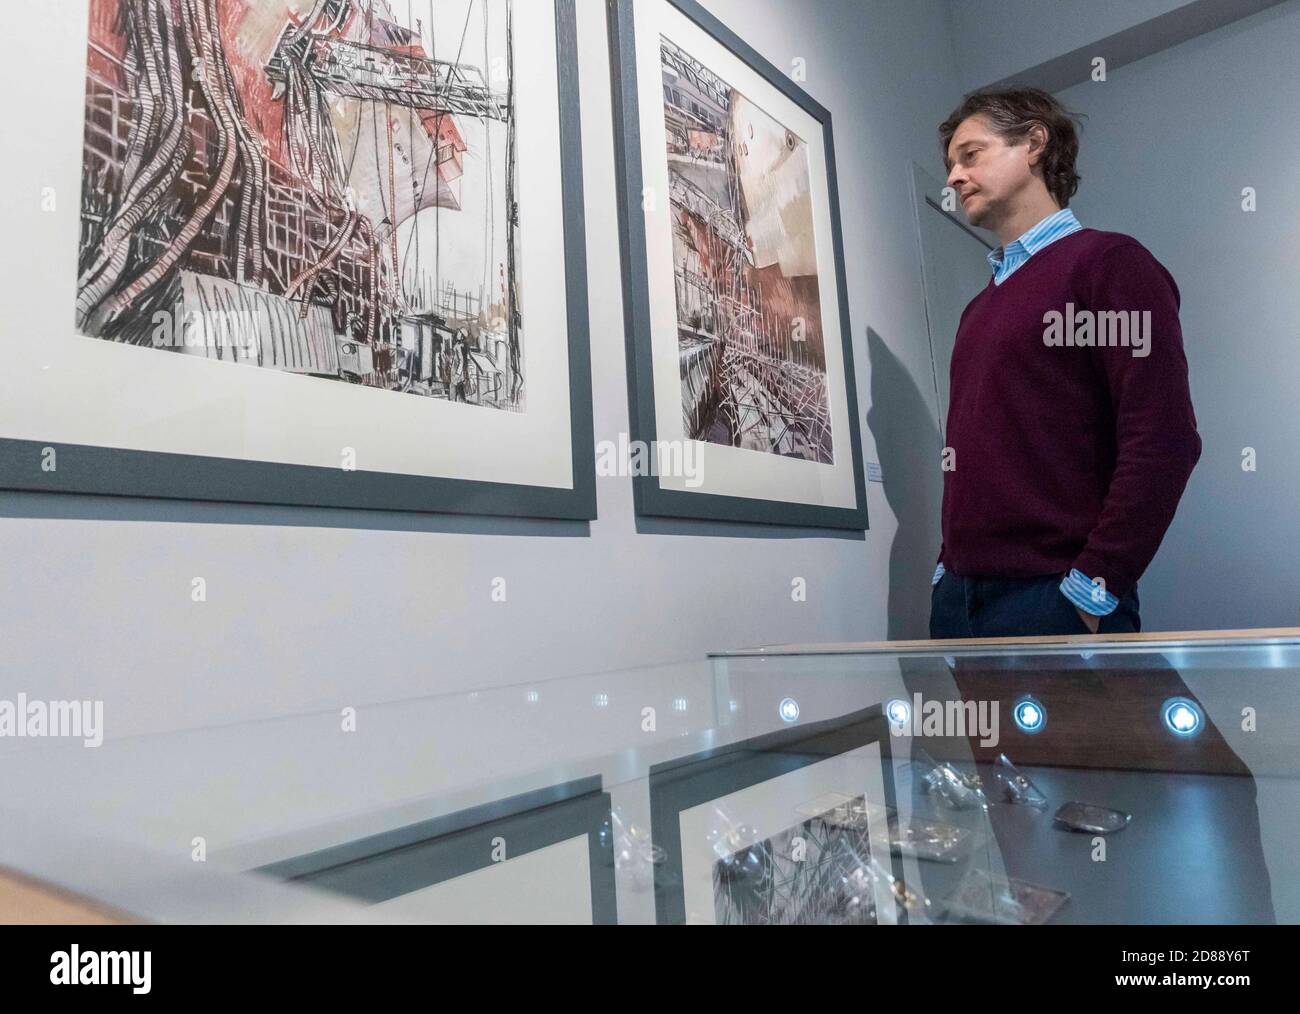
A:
(994, 39)
(308, 610)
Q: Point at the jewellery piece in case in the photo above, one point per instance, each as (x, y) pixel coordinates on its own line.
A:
(1090, 818)
(1017, 787)
(960, 791)
(989, 898)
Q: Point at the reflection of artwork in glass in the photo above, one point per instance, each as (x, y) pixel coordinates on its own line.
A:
(749, 327)
(819, 872)
(326, 189)
(983, 896)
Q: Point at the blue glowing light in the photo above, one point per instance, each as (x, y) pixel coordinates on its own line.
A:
(789, 710)
(1029, 715)
(1183, 717)
(898, 712)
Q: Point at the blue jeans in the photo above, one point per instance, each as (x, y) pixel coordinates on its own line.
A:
(1017, 607)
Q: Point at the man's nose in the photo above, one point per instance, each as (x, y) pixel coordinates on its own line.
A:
(956, 177)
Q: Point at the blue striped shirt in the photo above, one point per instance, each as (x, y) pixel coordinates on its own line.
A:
(1092, 597)
(1005, 260)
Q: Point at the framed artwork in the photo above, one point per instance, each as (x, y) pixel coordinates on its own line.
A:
(788, 827)
(325, 253)
(542, 857)
(740, 356)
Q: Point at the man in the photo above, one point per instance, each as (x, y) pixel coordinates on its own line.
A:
(460, 364)
(444, 367)
(1070, 433)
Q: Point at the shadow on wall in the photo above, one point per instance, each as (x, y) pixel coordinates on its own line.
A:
(902, 421)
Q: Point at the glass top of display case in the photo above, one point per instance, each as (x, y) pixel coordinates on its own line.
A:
(1158, 640)
(1149, 778)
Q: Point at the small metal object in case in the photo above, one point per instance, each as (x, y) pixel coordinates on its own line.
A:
(1091, 819)
(1017, 787)
(959, 790)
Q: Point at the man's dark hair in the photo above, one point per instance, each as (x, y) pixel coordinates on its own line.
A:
(1012, 112)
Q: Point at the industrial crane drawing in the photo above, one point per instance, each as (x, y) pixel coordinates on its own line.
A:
(322, 187)
(750, 345)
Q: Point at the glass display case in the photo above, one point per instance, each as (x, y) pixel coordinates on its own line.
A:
(1146, 779)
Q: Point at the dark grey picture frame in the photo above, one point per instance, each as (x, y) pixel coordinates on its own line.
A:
(649, 497)
(109, 471)
(396, 863)
(680, 784)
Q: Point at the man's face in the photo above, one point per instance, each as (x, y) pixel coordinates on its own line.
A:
(988, 174)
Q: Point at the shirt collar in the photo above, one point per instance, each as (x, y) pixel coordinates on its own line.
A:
(1053, 227)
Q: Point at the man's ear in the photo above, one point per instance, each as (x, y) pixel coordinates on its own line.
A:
(1037, 138)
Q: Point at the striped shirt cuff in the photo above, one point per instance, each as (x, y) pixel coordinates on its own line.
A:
(1090, 598)
(938, 573)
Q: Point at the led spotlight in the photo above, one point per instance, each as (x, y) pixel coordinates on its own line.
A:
(680, 704)
(789, 710)
(532, 697)
(601, 700)
(1029, 714)
(899, 712)
(1183, 717)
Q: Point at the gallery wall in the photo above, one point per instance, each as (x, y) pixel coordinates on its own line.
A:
(993, 41)
(308, 610)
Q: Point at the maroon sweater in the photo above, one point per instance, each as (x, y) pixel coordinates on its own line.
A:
(1067, 457)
